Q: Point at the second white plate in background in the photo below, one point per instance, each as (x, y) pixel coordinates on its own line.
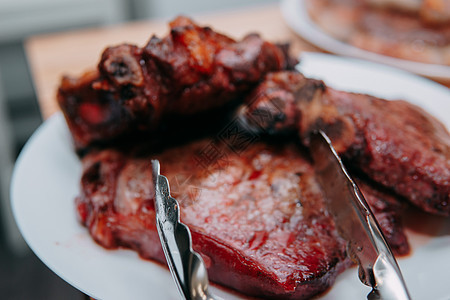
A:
(295, 14)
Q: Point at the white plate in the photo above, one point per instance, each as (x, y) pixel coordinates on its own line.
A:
(46, 176)
(296, 16)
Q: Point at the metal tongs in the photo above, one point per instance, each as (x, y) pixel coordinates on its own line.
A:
(186, 266)
(356, 223)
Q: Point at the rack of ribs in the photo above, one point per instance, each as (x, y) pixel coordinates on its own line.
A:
(192, 69)
(395, 143)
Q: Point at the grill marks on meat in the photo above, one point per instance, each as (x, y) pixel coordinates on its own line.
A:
(395, 143)
(193, 69)
(258, 218)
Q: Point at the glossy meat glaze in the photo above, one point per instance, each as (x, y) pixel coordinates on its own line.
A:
(253, 204)
(258, 218)
(395, 143)
(192, 69)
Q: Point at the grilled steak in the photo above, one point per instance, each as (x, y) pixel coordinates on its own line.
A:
(193, 69)
(395, 143)
(258, 218)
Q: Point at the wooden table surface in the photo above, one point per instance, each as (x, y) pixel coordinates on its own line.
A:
(53, 55)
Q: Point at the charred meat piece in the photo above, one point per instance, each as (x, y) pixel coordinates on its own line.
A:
(395, 143)
(193, 69)
(258, 218)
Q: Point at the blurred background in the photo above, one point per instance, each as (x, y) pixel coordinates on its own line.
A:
(22, 275)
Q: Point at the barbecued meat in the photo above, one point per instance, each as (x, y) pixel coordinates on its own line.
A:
(255, 209)
(192, 69)
(395, 143)
(258, 218)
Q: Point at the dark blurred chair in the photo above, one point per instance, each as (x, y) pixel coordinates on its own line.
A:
(12, 236)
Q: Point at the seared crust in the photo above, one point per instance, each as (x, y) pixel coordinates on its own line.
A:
(395, 143)
(258, 218)
(191, 70)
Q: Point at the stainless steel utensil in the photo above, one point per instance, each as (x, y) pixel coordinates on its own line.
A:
(186, 265)
(354, 221)
(356, 224)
